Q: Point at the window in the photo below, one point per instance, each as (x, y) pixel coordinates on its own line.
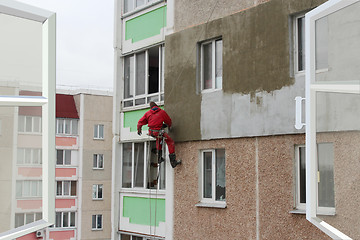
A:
(136, 172)
(99, 131)
(97, 192)
(213, 176)
(28, 188)
(143, 77)
(67, 126)
(132, 237)
(211, 66)
(98, 161)
(65, 188)
(96, 222)
(65, 219)
(29, 124)
(63, 157)
(130, 5)
(29, 156)
(326, 195)
(299, 40)
(25, 218)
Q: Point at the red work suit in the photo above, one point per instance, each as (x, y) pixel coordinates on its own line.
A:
(155, 118)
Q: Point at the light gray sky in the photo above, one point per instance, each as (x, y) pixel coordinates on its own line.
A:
(84, 42)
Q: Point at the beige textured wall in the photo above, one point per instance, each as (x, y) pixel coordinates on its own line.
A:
(275, 156)
(97, 110)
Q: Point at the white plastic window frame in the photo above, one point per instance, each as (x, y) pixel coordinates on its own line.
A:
(135, 9)
(96, 222)
(296, 44)
(312, 88)
(71, 122)
(213, 65)
(97, 157)
(95, 191)
(47, 101)
(207, 202)
(146, 95)
(97, 131)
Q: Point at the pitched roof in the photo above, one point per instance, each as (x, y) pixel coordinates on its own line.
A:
(65, 106)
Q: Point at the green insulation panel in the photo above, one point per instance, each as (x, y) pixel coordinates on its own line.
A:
(144, 211)
(146, 25)
(131, 119)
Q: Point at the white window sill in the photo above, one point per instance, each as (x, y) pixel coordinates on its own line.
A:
(211, 204)
(102, 139)
(212, 90)
(100, 229)
(97, 199)
(320, 212)
(98, 168)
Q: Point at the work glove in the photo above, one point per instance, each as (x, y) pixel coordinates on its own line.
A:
(164, 125)
(139, 131)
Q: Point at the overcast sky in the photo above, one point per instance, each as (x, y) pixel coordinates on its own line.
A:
(84, 42)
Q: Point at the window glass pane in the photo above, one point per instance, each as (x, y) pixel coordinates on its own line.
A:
(67, 126)
(326, 169)
(302, 175)
(65, 219)
(38, 216)
(28, 124)
(29, 218)
(140, 2)
(101, 161)
(72, 219)
(26, 188)
(67, 157)
(19, 219)
(59, 188)
(126, 165)
(74, 127)
(34, 188)
(96, 131)
(100, 188)
(207, 181)
(153, 79)
(125, 237)
(218, 64)
(66, 188)
(301, 43)
(58, 219)
(60, 126)
(59, 157)
(207, 66)
(73, 188)
(220, 174)
(129, 76)
(99, 221)
(93, 221)
(27, 155)
(20, 155)
(139, 165)
(94, 192)
(321, 43)
(128, 5)
(101, 131)
(140, 73)
(36, 156)
(95, 157)
(37, 126)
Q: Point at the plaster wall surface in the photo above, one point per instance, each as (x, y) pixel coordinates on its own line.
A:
(258, 92)
(259, 192)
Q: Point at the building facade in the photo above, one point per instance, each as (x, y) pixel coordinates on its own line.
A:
(231, 73)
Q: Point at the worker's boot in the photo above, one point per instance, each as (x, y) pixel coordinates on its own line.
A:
(173, 160)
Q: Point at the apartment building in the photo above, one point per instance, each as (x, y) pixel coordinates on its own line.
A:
(231, 73)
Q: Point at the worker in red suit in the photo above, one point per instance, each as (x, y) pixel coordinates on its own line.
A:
(156, 118)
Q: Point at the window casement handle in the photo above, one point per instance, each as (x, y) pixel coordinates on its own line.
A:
(298, 112)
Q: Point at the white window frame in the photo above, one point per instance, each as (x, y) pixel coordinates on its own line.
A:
(25, 215)
(209, 202)
(97, 157)
(96, 222)
(63, 183)
(97, 131)
(95, 191)
(146, 96)
(22, 151)
(70, 122)
(213, 65)
(296, 44)
(312, 88)
(47, 101)
(25, 120)
(147, 152)
(27, 186)
(302, 206)
(69, 214)
(64, 157)
(135, 8)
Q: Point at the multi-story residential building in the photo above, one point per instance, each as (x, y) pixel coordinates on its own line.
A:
(231, 72)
